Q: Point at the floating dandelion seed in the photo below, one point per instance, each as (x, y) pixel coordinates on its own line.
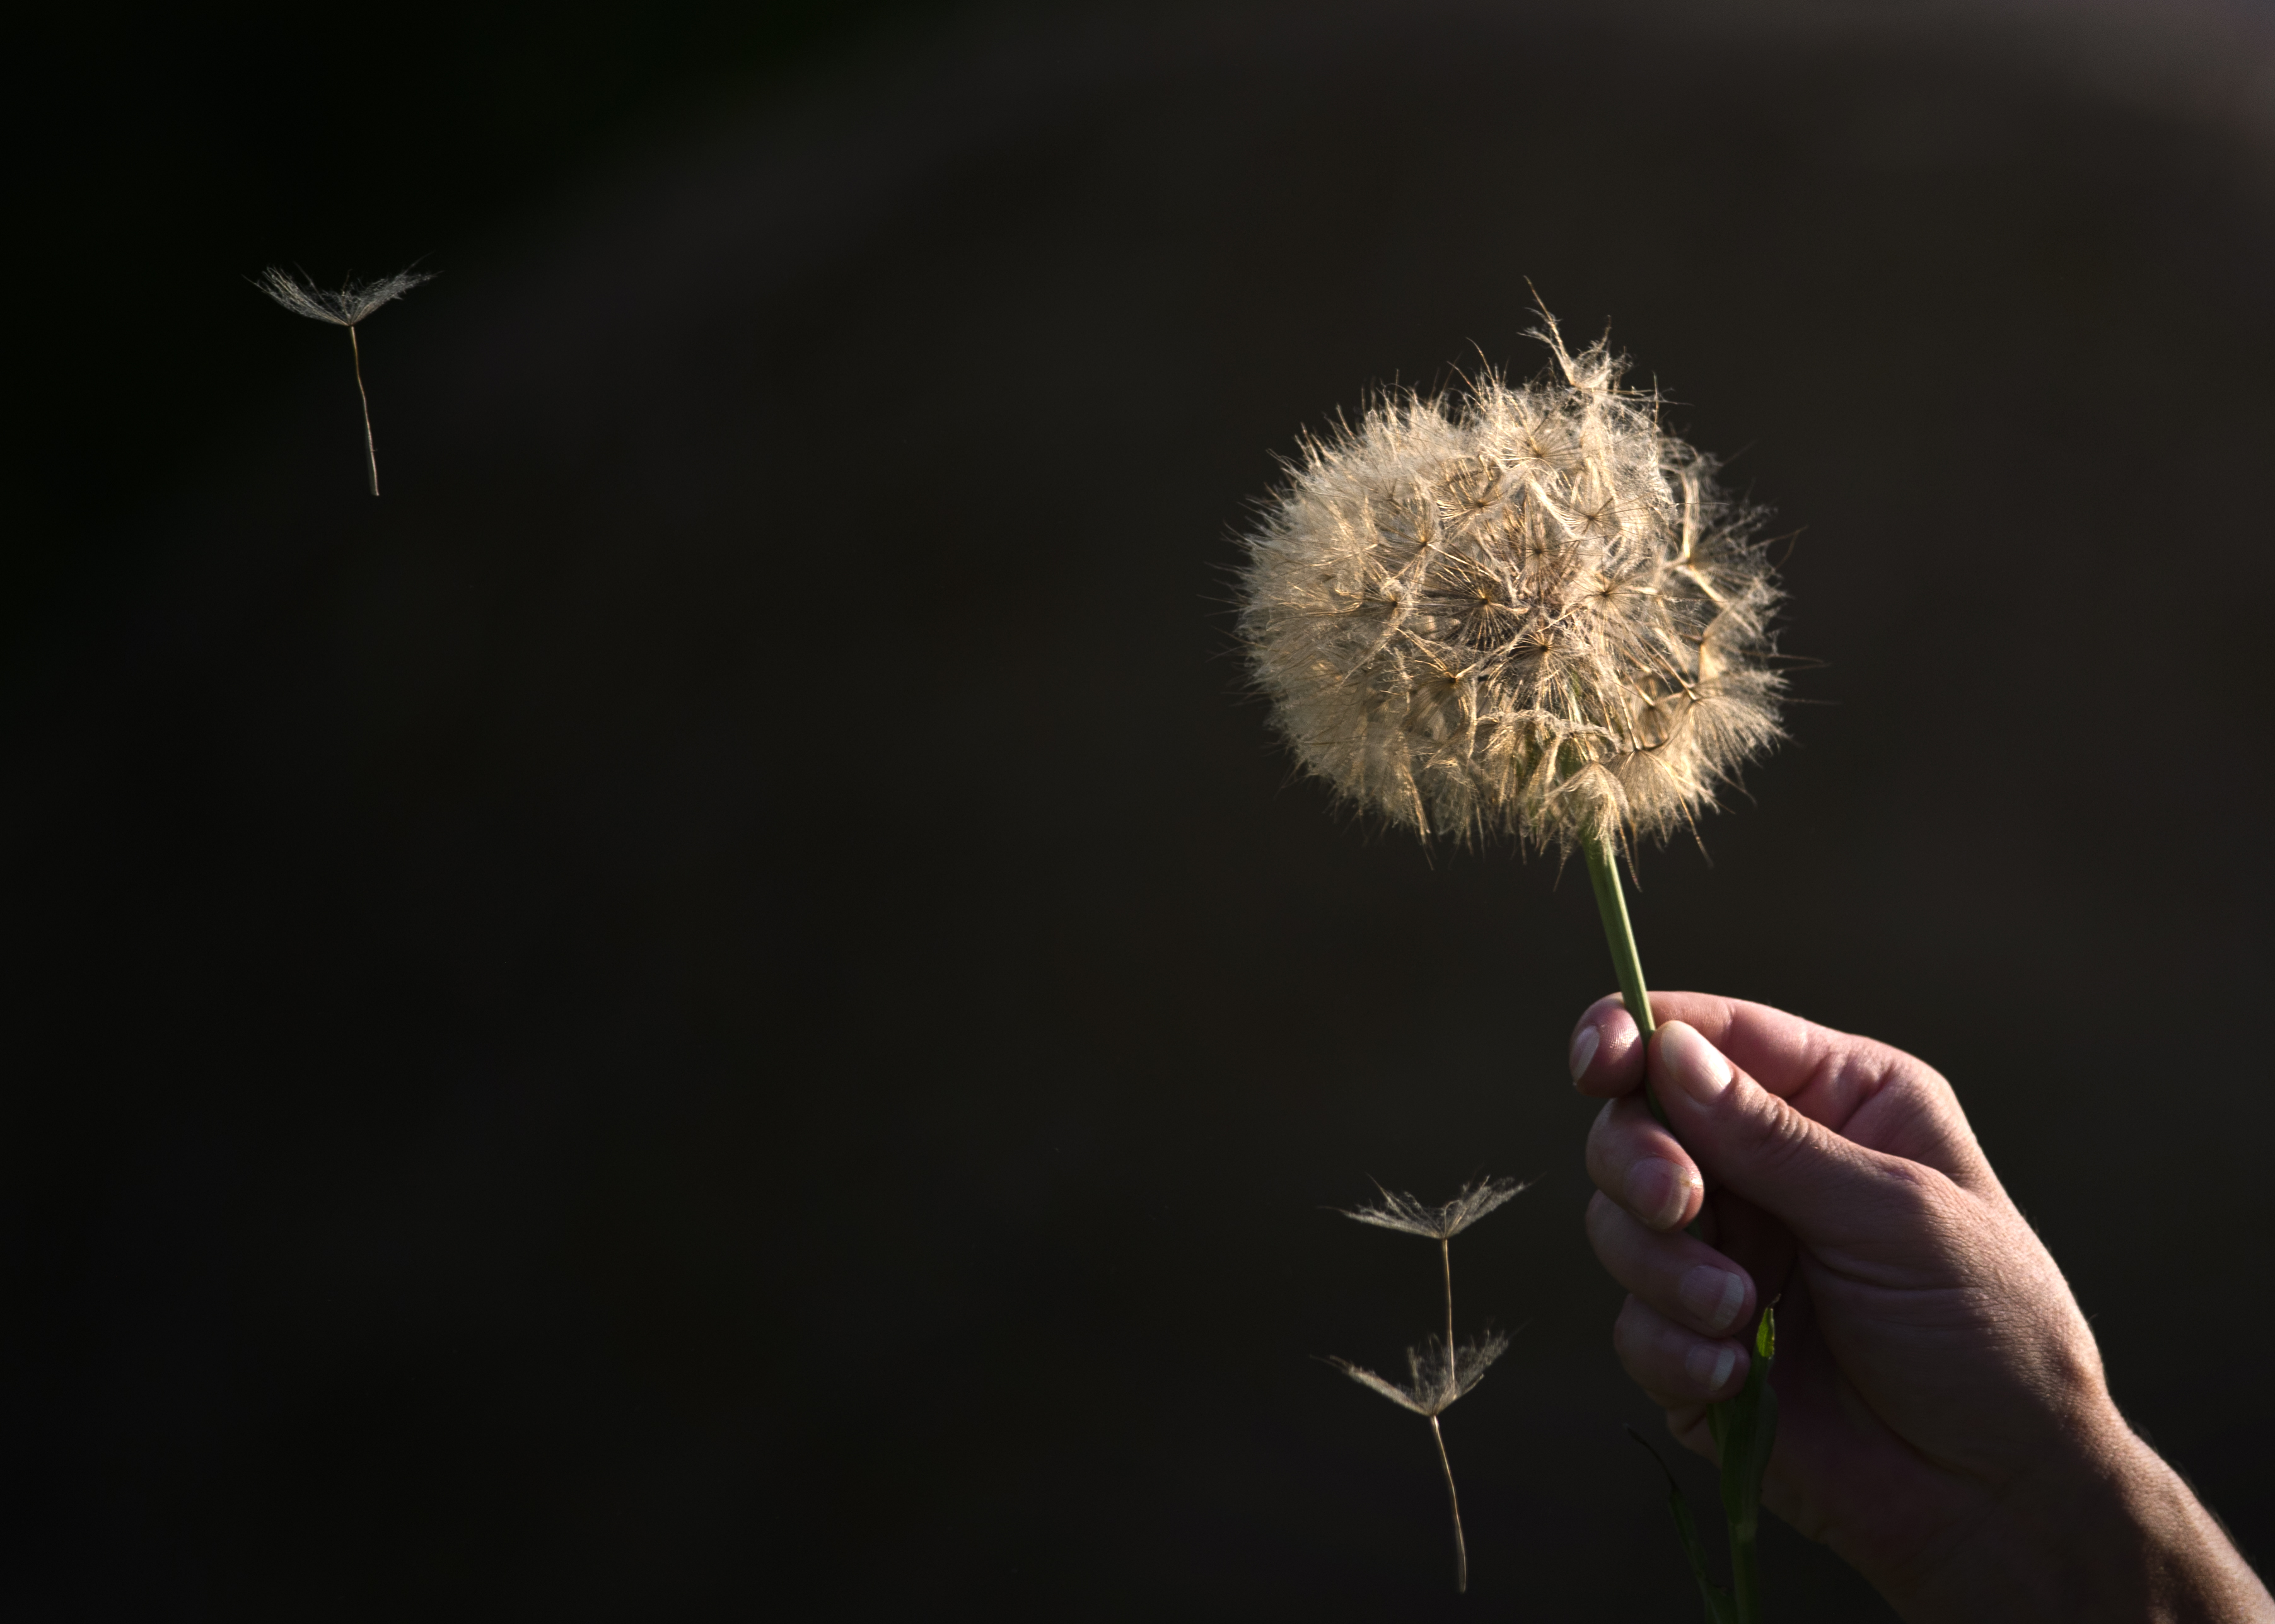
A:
(345, 307)
(1438, 1373)
(1436, 1378)
(1405, 1214)
(1528, 611)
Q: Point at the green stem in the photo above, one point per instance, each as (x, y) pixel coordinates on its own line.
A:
(1627, 964)
(1745, 1576)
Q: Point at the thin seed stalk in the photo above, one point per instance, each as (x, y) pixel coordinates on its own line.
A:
(1453, 1387)
(1453, 1498)
(370, 451)
(1453, 1371)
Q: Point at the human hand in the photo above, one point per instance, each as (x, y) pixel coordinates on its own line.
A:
(1943, 1420)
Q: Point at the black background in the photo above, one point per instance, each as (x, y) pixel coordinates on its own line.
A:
(720, 999)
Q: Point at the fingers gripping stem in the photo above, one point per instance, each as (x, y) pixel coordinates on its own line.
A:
(1744, 1427)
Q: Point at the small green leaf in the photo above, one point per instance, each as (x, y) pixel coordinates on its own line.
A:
(1721, 1609)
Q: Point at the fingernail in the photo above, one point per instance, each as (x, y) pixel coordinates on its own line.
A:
(1693, 1063)
(1584, 1044)
(1713, 1295)
(1659, 1191)
(1709, 1365)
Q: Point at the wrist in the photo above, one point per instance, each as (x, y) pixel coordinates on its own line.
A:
(2099, 1528)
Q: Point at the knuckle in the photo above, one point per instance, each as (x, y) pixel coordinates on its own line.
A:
(1597, 1219)
(1772, 1134)
(1629, 1335)
(1927, 1203)
(1597, 1156)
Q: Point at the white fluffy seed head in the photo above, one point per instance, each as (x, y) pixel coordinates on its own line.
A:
(1526, 610)
(347, 305)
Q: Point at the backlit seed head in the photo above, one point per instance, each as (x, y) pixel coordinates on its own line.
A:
(347, 305)
(1523, 611)
(1434, 1380)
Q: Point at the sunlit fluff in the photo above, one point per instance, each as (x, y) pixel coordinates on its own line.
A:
(1523, 610)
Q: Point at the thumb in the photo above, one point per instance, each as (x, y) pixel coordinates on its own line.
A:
(1832, 1192)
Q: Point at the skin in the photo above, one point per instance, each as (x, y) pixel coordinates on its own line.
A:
(1944, 1424)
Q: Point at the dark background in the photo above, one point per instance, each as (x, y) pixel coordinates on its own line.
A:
(719, 1001)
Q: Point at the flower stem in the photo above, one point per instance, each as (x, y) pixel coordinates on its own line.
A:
(1461, 1546)
(1627, 964)
(1745, 1577)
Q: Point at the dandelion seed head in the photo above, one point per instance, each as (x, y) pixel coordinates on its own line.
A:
(1403, 1213)
(1523, 610)
(344, 306)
